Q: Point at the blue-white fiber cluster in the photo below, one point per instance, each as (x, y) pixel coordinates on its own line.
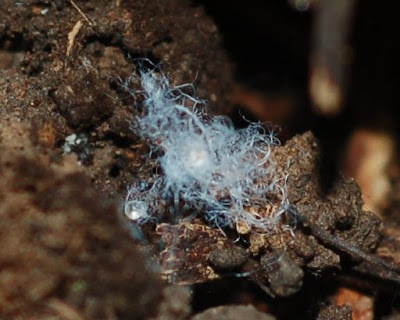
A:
(213, 169)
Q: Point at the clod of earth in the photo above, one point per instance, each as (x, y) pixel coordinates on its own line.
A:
(326, 229)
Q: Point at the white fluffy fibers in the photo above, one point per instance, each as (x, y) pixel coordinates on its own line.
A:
(214, 169)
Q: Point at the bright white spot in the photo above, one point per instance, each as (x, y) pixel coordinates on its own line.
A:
(70, 141)
(197, 159)
(136, 210)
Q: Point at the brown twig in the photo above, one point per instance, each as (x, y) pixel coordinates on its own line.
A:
(378, 266)
(91, 23)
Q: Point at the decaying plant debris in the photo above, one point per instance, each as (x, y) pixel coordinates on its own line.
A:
(278, 261)
(68, 156)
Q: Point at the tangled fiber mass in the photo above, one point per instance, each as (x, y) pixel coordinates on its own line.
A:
(216, 171)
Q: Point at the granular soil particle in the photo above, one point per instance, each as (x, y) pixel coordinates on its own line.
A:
(65, 252)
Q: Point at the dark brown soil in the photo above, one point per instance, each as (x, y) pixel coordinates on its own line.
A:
(64, 251)
(68, 155)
